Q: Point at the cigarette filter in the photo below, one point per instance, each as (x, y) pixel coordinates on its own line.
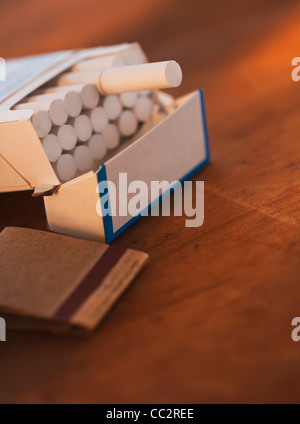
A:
(111, 136)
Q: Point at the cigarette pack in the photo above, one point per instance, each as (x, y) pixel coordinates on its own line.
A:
(56, 283)
(171, 146)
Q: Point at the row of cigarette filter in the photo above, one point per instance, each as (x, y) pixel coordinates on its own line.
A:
(89, 111)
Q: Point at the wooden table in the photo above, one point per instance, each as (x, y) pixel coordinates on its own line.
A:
(209, 320)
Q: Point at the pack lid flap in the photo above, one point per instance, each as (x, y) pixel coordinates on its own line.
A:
(23, 153)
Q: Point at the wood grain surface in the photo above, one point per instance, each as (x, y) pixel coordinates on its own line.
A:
(209, 320)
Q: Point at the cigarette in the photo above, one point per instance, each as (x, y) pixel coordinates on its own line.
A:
(83, 128)
(150, 76)
(52, 148)
(71, 100)
(67, 136)
(100, 63)
(83, 158)
(41, 123)
(129, 100)
(135, 57)
(73, 104)
(56, 108)
(112, 107)
(144, 108)
(144, 93)
(111, 136)
(90, 96)
(97, 146)
(75, 78)
(166, 101)
(66, 168)
(99, 119)
(127, 123)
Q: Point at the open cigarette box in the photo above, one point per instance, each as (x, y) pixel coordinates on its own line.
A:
(171, 146)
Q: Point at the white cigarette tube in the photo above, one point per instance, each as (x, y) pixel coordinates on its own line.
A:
(150, 76)
(144, 108)
(71, 100)
(166, 101)
(90, 96)
(83, 128)
(75, 78)
(112, 107)
(99, 119)
(144, 93)
(97, 146)
(73, 104)
(58, 112)
(135, 57)
(100, 63)
(83, 158)
(52, 148)
(66, 168)
(67, 136)
(129, 100)
(127, 123)
(56, 108)
(41, 123)
(111, 136)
